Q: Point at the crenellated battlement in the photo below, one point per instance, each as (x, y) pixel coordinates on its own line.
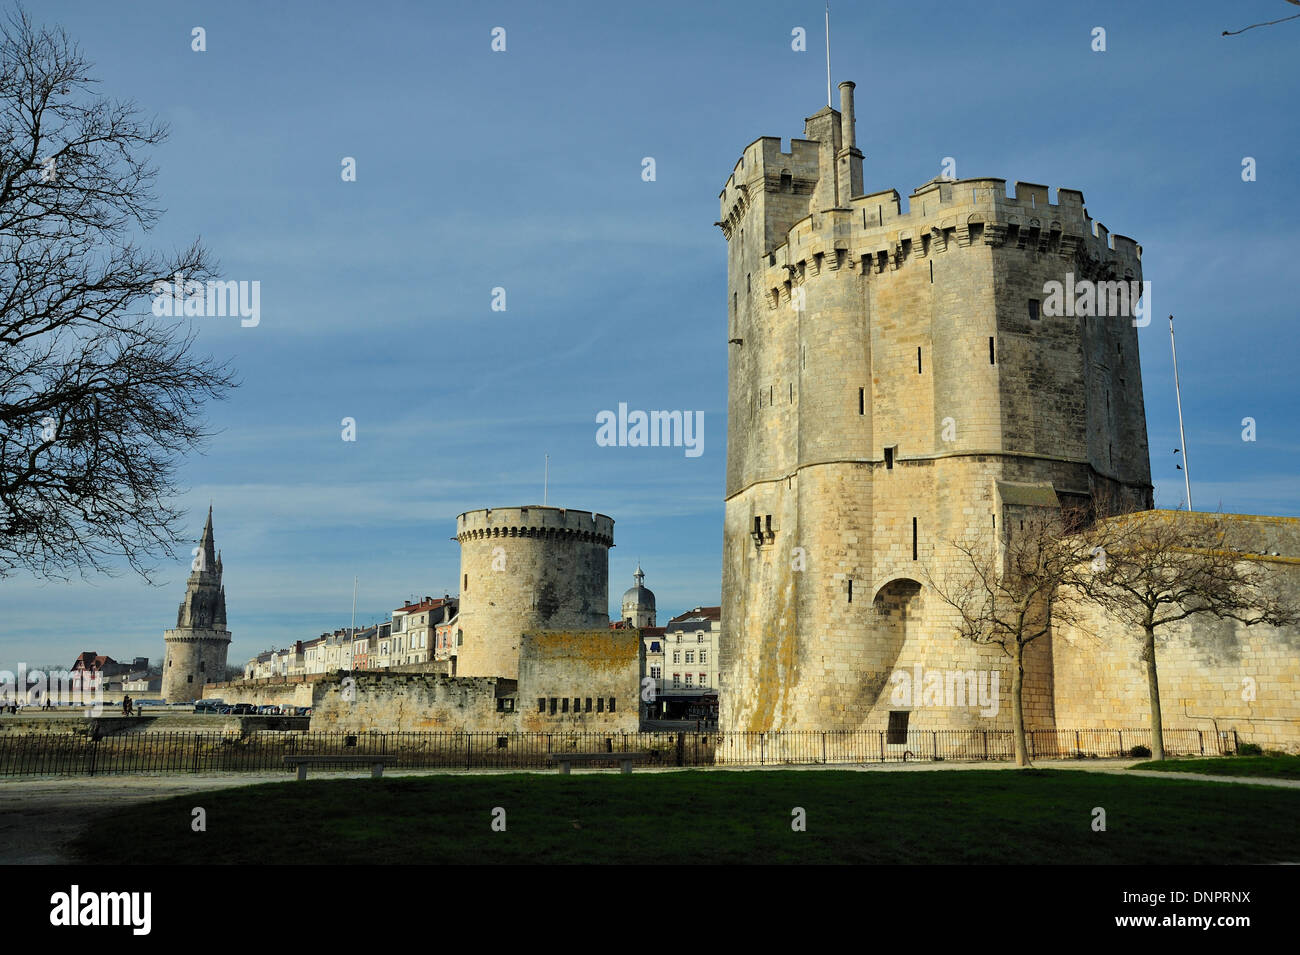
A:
(765, 167)
(875, 234)
(536, 521)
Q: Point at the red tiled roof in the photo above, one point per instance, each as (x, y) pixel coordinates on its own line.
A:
(709, 613)
(426, 604)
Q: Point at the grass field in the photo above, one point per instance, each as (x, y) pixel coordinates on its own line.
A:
(974, 816)
(1272, 767)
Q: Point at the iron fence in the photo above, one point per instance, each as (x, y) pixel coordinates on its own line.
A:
(177, 752)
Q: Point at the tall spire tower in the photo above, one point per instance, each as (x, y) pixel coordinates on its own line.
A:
(196, 649)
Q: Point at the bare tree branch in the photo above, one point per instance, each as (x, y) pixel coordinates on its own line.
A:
(99, 400)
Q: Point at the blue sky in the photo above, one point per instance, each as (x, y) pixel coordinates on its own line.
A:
(522, 170)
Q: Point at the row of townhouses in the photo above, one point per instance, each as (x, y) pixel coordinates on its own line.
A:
(420, 632)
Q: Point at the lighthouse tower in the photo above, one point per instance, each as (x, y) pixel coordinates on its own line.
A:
(196, 649)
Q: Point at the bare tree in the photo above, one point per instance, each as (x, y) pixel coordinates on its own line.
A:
(98, 398)
(1156, 568)
(1010, 591)
(1267, 23)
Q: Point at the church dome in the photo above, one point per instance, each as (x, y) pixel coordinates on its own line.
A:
(638, 597)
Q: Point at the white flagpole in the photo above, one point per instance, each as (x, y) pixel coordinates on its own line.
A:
(1182, 435)
(354, 606)
(546, 479)
(828, 52)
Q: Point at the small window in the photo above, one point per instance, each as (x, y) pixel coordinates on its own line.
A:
(554, 703)
(1033, 309)
(600, 704)
(588, 704)
(850, 590)
(577, 705)
(189, 678)
(611, 704)
(862, 401)
(918, 359)
(889, 459)
(991, 350)
(541, 704)
(897, 727)
(564, 705)
(466, 584)
(914, 538)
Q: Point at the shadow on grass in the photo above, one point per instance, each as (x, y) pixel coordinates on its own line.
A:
(1030, 817)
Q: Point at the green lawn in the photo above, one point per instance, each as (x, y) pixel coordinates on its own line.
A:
(973, 816)
(1273, 767)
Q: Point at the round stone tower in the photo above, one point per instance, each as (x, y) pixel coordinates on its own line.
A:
(639, 603)
(527, 569)
(195, 653)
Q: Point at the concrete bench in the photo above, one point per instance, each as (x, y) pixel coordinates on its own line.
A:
(376, 763)
(625, 760)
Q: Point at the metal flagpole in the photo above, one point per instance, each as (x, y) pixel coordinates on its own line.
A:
(354, 606)
(546, 480)
(828, 52)
(1182, 435)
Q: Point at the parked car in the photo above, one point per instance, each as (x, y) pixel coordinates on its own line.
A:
(244, 709)
(207, 706)
(269, 710)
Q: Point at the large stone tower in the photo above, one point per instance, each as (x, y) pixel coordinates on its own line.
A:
(895, 382)
(195, 652)
(525, 569)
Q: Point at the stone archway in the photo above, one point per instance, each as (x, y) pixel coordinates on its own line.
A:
(897, 610)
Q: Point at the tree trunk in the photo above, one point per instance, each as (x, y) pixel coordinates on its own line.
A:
(1017, 706)
(1153, 687)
